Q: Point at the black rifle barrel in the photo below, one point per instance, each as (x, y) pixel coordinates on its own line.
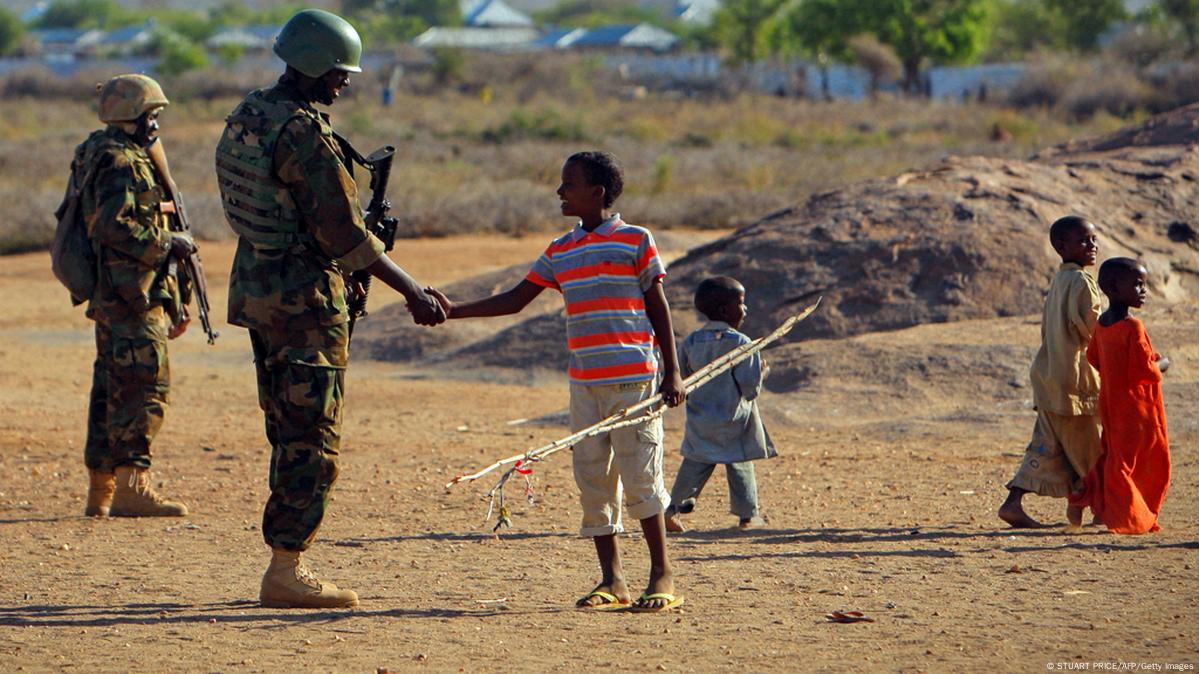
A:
(379, 163)
(377, 222)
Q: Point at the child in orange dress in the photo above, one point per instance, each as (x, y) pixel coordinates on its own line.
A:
(1126, 488)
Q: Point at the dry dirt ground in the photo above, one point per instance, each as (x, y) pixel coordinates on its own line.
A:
(884, 509)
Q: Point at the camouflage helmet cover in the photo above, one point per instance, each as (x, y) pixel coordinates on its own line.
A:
(315, 41)
(124, 98)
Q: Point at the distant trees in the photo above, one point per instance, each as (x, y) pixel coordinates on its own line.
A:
(922, 32)
(1186, 14)
(1019, 27)
(106, 14)
(823, 28)
(178, 34)
(918, 31)
(177, 55)
(384, 22)
(876, 58)
(1084, 22)
(11, 32)
(872, 33)
(236, 13)
(744, 28)
(949, 31)
(592, 13)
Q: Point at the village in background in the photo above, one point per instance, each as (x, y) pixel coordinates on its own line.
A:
(813, 48)
(721, 112)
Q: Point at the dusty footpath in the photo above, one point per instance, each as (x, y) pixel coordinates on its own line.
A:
(891, 516)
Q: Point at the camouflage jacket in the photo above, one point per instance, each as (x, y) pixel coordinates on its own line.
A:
(290, 287)
(121, 208)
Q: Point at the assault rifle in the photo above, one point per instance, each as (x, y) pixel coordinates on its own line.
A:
(191, 273)
(378, 222)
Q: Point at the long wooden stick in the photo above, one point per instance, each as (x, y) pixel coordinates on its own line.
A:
(632, 415)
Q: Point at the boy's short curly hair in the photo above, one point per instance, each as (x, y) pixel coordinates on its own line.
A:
(1063, 226)
(1113, 269)
(715, 292)
(601, 168)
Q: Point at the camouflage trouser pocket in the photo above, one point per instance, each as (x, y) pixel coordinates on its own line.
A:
(137, 391)
(141, 362)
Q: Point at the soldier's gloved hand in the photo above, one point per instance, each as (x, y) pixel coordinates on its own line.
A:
(426, 310)
(182, 246)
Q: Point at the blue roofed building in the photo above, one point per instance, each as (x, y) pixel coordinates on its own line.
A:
(466, 37)
(66, 42)
(130, 39)
(558, 38)
(625, 36)
(33, 13)
(695, 12)
(493, 14)
(487, 24)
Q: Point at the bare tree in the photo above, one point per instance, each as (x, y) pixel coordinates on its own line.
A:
(877, 58)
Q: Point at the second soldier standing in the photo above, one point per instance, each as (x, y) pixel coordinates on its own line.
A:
(288, 193)
(136, 304)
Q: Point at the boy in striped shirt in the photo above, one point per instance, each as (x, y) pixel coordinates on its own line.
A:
(610, 277)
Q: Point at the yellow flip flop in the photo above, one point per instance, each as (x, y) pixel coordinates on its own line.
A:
(610, 602)
(672, 602)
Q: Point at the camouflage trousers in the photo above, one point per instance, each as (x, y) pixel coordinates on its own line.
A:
(131, 382)
(300, 392)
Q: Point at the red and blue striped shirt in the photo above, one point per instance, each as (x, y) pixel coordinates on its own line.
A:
(603, 276)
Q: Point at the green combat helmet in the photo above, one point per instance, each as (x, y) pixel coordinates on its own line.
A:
(124, 98)
(315, 41)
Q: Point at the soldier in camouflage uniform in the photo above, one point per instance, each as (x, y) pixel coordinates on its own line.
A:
(289, 194)
(136, 304)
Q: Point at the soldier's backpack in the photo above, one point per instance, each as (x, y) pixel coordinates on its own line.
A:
(72, 256)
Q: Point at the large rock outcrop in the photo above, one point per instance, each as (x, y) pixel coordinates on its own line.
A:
(964, 239)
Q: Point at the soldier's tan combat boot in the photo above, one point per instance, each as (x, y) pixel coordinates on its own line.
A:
(99, 493)
(288, 584)
(135, 497)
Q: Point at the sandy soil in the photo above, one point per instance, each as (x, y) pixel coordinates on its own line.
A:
(889, 515)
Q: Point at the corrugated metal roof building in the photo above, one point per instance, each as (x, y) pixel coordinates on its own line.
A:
(626, 36)
(493, 14)
(476, 38)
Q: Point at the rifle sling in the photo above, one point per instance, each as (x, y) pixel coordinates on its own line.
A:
(351, 152)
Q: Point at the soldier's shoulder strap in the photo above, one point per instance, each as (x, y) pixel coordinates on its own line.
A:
(350, 150)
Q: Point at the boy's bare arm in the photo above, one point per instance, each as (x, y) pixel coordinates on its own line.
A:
(425, 308)
(658, 311)
(508, 302)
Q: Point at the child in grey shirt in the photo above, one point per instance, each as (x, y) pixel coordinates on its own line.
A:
(723, 423)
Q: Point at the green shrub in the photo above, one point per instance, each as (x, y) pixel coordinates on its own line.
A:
(544, 125)
(663, 171)
(230, 54)
(1043, 83)
(11, 31)
(790, 139)
(1110, 88)
(448, 65)
(1024, 129)
(694, 139)
(177, 55)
